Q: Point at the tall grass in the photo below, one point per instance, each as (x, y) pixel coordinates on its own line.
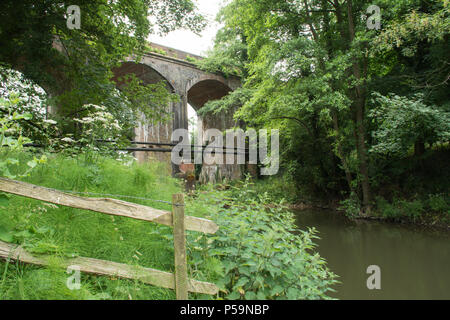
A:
(63, 231)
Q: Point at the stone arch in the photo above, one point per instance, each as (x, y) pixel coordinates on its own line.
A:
(148, 74)
(147, 130)
(210, 89)
(198, 95)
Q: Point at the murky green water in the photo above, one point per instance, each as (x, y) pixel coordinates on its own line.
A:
(415, 263)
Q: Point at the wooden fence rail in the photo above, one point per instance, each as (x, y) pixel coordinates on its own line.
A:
(178, 281)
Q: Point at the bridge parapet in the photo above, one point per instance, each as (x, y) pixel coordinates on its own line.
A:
(171, 52)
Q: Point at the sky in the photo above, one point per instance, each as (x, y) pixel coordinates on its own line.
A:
(188, 41)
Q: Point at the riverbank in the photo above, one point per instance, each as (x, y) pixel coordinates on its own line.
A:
(433, 220)
(425, 210)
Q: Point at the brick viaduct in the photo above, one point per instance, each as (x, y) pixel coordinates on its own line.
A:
(195, 87)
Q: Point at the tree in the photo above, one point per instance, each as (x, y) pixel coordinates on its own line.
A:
(312, 67)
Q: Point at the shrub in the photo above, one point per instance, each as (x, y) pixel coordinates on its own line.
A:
(438, 203)
(412, 209)
(12, 141)
(263, 254)
(351, 206)
(388, 210)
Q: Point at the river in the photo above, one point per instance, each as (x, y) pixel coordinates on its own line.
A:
(414, 262)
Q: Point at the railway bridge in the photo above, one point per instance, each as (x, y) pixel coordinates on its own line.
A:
(194, 87)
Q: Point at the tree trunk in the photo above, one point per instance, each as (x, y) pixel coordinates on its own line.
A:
(359, 102)
(419, 148)
(348, 175)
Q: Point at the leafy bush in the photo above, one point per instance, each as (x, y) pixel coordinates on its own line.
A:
(275, 188)
(11, 139)
(400, 209)
(403, 121)
(413, 209)
(263, 254)
(388, 210)
(438, 203)
(191, 59)
(351, 206)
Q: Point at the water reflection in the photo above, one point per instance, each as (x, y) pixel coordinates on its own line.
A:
(414, 262)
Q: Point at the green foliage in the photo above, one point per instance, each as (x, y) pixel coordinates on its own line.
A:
(29, 99)
(275, 189)
(12, 141)
(191, 59)
(350, 103)
(388, 210)
(229, 55)
(230, 102)
(412, 209)
(31, 283)
(92, 130)
(351, 206)
(416, 27)
(415, 210)
(262, 254)
(258, 251)
(439, 203)
(156, 50)
(402, 122)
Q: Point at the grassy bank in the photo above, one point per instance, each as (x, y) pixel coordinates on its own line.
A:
(62, 231)
(255, 254)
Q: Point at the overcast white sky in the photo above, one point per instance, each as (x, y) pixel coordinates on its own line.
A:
(187, 40)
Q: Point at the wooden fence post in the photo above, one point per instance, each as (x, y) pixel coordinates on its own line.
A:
(179, 240)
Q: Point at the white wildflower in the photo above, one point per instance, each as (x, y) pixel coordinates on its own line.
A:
(98, 107)
(116, 125)
(51, 205)
(87, 120)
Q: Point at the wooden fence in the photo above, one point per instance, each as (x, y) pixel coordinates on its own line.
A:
(176, 219)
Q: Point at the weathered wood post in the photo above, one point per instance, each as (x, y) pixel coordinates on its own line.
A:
(179, 240)
(187, 173)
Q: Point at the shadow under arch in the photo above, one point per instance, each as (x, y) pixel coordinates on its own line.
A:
(206, 90)
(144, 72)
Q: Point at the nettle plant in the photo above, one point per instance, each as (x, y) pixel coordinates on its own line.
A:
(12, 140)
(263, 254)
